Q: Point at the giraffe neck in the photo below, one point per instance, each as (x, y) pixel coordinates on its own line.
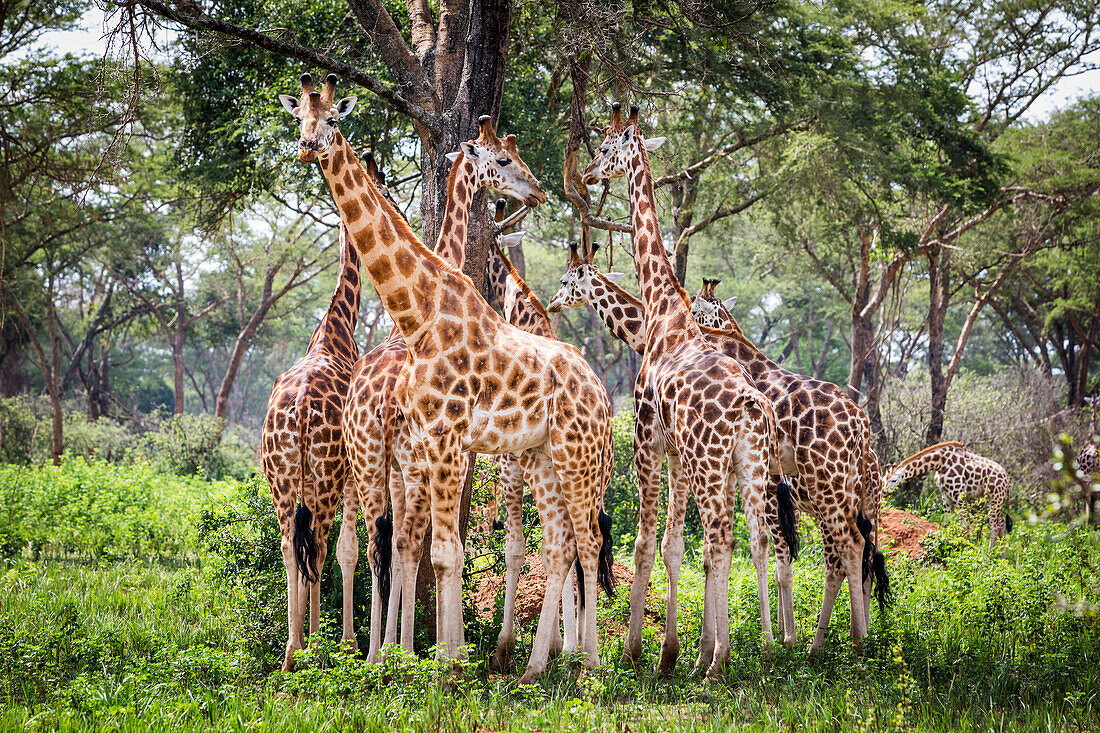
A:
(667, 307)
(521, 307)
(624, 316)
(405, 273)
(336, 332)
(461, 187)
(621, 312)
(929, 459)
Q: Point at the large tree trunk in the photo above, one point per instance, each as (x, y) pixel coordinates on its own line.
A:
(938, 284)
(53, 377)
(683, 203)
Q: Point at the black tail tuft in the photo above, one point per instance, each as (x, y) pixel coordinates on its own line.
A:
(1008, 523)
(580, 583)
(788, 522)
(874, 564)
(497, 525)
(604, 575)
(880, 585)
(383, 555)
(305, 543)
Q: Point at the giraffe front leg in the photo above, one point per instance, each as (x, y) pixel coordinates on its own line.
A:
(347, 556)
(558, 553)
(514, 555)
(672, 552)
(569, 616)
(648, 452)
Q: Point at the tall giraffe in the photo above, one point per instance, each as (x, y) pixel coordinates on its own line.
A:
(709, 310)
(1088, 460)
(376, 430)
(822, 436)
(472, 382)
(302, 455)
(695, 404)
(961, 476)
(523, 309)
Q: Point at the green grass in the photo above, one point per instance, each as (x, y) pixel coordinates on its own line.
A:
(122, 640)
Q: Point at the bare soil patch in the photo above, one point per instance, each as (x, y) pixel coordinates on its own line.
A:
(903, 532)
(532, 583)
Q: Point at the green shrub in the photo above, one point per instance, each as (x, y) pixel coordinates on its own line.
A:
(196, 444)
(94, 509)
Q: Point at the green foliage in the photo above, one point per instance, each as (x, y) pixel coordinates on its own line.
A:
(92, 509)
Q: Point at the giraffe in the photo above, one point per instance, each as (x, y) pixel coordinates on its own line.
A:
(523, 309)
(822, 433)
(472, 382)
(961, 476)
(376, 429)
(1088, 462)
(694, 404)
(709, 310)
(302, 455)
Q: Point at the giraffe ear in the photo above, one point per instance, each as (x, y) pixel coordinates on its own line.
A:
(511, 240)
(628, 133)
(454, 156)
(614, 276)
(345, 106)
(654, 142)
(290, 104)
(469, 150)
(730, 302)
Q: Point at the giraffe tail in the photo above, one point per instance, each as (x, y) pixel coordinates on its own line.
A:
(604, 576)
(788, 519)
(874, 565)
(383, 555)
(1008, 523)
(305, 540)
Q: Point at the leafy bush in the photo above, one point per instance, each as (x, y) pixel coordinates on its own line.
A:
(196, 444)
(94, 509)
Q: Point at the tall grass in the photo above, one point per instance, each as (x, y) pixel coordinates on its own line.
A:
(111, 636)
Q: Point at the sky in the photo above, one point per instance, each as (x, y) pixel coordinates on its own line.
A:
(91, 39)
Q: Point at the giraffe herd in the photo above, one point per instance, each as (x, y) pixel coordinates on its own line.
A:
(390, 433)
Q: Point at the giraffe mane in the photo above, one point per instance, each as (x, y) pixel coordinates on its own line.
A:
(929, 449)
(523, 287)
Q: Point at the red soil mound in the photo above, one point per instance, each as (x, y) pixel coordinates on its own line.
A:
(532, 583)
(902, 532)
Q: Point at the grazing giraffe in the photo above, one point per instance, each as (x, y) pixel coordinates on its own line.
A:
(302, 454)
(472, 382)
(1088, 462)
(523, 309)
(376, 432)
(709, 310)
(961, 476)
(694, 404)
(822, 438)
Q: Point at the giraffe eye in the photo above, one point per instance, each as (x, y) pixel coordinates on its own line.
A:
(504, 161)
(603, 151)
(331, 121)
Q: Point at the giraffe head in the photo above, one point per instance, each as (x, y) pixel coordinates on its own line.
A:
(891, 477)
(622, 142)
(708, 310)
(581, 282)
(498, 165)
(317, 115)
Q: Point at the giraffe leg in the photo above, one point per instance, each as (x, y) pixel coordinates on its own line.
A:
(834, 577)
(784, 581)
(706, 631)
(648, 452)
(294, 611)
(397, 492)
(512, 479)
(410, 546)
(758, 549)
(569, 616)
(347, 555)
(672, 552)
(853, 568)
(447, 465)
(558, 552)
(315, 587)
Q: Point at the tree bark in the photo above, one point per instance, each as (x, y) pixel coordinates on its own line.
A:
(938, 300)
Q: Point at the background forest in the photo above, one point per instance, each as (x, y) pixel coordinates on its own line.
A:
(897, 195)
